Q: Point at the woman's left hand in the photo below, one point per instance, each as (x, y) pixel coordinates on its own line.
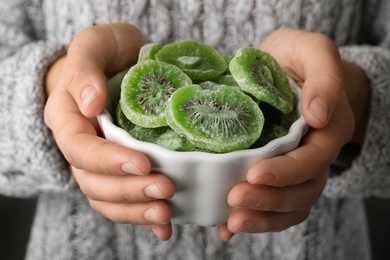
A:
(280, 191)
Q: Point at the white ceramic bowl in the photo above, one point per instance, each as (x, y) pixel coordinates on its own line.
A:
(202, 180)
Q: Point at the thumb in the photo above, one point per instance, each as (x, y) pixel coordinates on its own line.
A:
(95, 53)
(323, 80)
(320, 95)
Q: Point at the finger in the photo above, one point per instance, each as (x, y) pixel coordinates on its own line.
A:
(95, 154)
(224, 233)
(124, 189)
(286, 199)
(80, 145)
(94, 53)
(252, 221)
(153, 212)
(320, 95)
(87, 83)
(162, 232)
(299, 165)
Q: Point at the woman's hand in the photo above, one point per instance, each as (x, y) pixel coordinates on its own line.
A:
(115, 179)
(279, 192)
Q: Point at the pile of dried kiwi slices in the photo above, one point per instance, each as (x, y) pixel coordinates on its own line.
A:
(186, 96)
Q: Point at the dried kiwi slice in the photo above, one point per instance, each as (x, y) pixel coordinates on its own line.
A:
(270, 132)
(146, 88)
(163, 136)
(211, 85)
(227, 57)
(173, 141)
(259, 74)
(122, 121)
(147, 134)
(148, 51)
(221, 120)
(199, 61)
(225, 80)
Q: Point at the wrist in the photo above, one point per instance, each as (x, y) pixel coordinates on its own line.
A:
(358, 93)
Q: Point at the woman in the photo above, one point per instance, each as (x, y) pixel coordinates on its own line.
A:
(52, 48)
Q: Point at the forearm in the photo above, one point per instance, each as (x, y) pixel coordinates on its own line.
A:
(367, 174)
(29, 159)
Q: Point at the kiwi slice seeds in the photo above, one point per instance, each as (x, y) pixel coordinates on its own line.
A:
(186, 96)
(221, 120)
(145, 90)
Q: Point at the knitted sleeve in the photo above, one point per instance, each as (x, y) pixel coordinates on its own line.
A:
(369, 173)
(29, 159)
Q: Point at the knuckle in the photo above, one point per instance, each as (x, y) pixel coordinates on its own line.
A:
(133, 216)
(99, 152)
(271, 201)
(70, 154)
(126, 194)
(320, 39)
(73, 75)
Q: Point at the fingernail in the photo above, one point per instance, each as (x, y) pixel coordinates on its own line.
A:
(247, 226)
(152, 216)
(153, 192)
(248, 200)
(130, 168)
(265, 179)
(88, 94)
(319, 109)
(155, 231)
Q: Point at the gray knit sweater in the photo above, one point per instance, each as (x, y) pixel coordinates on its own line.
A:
(34, 33)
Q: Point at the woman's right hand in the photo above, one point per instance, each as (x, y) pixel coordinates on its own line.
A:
(115, 179)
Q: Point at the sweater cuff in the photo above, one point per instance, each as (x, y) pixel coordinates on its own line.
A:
(368, 174)
(30, 161)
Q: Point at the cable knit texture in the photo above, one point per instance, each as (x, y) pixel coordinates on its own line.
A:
(35, 33)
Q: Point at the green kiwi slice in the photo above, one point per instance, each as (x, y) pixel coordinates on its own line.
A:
(163, 136)
(288, 119)
(222, 120)
(147, 134)
(173, 141)
(211, 85)
(225, 80)
(270, 132)
(122, 121)
(199, 61)
(227, 57)
(145, 90)
(259, 74)
(148, 51)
